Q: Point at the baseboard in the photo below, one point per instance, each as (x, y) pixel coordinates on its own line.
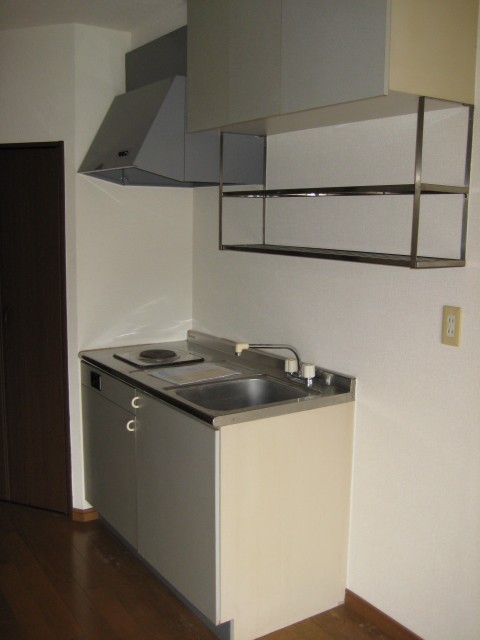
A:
(384, 623)
(84, 515)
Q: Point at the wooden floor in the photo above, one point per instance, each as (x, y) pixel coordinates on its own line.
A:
(61, 580)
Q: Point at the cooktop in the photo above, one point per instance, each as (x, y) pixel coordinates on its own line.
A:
(145, 358)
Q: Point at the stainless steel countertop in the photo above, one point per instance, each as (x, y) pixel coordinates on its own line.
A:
(329, 387)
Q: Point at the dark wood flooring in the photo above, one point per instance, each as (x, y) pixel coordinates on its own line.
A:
(61, 580)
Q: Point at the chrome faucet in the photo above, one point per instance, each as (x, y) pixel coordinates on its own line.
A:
(303, 371)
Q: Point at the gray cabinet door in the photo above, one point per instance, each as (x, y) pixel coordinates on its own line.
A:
(250, 60)
(333, 52)
(109, 456)
(254, 59)
(177, 464)
(233, 61)
(207, 86)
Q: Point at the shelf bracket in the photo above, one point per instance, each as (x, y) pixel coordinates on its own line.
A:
(468, 163)
(220, 196)
(264, 200)
(418, 182)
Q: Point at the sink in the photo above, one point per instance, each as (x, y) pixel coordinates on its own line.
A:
(230, 395)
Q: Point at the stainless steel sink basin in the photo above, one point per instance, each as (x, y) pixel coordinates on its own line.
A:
(230, 395)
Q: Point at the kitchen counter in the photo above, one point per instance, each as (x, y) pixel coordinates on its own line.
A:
(328, 388)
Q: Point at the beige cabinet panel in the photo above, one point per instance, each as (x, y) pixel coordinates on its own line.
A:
(284, 513)
(433, 48)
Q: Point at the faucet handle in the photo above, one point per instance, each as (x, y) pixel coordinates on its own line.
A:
(308, 370)
(290, 365)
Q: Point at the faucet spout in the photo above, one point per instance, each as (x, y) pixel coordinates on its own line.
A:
(242, 346)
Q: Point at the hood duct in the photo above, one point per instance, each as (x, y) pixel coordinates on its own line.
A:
(143, 139)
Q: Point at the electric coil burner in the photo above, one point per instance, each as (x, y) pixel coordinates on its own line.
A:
(145, 358)
(156, 354)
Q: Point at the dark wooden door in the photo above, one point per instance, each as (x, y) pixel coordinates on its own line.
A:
(35, 442)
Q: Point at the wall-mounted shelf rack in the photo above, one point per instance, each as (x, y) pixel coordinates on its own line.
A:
(417, 189)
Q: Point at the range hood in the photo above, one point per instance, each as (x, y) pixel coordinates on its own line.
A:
(143, 139)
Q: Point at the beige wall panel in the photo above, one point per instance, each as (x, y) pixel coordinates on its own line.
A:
(433, 48)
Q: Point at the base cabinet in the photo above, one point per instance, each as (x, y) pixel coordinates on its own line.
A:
(248, 523)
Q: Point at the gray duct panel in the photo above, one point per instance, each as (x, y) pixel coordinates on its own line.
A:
(242, 159)
(162, 58)
(202, 156)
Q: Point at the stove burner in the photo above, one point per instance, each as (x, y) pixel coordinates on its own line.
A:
(155, 357)
(156, 354)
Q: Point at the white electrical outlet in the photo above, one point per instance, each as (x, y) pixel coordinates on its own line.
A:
(451, 325)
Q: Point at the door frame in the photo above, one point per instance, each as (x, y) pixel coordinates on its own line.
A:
(59, 145)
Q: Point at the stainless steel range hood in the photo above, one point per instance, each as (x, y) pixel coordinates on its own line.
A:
(143, 139)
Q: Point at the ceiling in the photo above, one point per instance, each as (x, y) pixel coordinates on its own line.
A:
(125, 15)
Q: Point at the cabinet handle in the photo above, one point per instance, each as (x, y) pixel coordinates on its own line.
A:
(131, 425)
(136, 402)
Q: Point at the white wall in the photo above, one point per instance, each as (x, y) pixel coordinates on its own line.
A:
(134, 257)
(415, 524)
(129, 250)
(134, 264)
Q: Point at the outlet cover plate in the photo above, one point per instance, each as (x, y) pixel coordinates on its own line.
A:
(451, 325)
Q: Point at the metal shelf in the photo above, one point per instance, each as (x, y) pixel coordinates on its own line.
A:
(395, 260)
(371, 190)
(417, 189)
